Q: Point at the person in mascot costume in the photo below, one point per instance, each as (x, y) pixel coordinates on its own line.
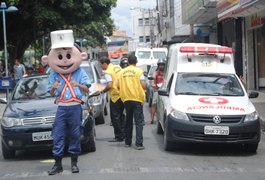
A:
(68, 83)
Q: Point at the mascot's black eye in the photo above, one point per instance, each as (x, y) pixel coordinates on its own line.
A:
(68, 56)
(60, 57)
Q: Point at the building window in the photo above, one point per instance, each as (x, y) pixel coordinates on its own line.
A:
(141, 39)
(140, 22)
(146, 22)
(147, 39)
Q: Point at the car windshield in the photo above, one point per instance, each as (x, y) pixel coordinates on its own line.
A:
(32, 88)
(89, 71)
(159, 54)
(144, 54)
(208, 84)
(152, 70)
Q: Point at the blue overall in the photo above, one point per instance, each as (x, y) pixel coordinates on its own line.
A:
(68, 118)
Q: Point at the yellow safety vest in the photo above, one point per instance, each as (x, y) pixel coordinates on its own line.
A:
(113, 71)
(130, 85)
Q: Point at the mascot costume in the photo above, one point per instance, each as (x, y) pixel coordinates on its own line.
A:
(68, 83)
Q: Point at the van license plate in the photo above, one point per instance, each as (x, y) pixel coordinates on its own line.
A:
(42, 136)
(216, 130)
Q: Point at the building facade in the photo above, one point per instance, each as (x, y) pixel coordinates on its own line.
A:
(245, 18)
(144, 28)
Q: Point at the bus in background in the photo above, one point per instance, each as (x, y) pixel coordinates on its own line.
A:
(149, 56)
(117, 50)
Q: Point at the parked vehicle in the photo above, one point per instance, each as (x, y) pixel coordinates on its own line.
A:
(27, 120)
(149, 89)
(149, 56)
(204, 101)
(98, 83)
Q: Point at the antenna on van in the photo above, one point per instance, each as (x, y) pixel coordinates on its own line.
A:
(189, 58)
(222, 59)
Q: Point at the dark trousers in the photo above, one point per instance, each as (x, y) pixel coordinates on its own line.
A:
(67, 122)
(117, 118)
(134, 110)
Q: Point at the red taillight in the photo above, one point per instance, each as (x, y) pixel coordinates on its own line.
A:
(187, 49)
(226, 50)
(206, 50)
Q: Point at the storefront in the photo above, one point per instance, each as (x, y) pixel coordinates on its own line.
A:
(255, 44)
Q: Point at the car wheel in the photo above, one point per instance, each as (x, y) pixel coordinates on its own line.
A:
(168, 145)
(7, 154)
(100, 119)
(251, 148)
(90, 146)
(159, 129)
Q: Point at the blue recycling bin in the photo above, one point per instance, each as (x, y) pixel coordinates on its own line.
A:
(6, 82)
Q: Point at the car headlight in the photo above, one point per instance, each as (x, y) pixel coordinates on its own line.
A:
(179, 115)
(11, 122)
(252, 116)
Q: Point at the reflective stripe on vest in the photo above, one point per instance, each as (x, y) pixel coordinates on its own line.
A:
(67, 84)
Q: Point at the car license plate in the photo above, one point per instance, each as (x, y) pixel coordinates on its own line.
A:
(216, 130)
(42, 136)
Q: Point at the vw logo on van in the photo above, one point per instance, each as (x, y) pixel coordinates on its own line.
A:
(217, 119)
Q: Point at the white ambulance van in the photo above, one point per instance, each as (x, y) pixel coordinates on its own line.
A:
(149, 56)
(204, 101)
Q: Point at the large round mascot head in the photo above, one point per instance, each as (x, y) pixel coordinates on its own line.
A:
(64, 56)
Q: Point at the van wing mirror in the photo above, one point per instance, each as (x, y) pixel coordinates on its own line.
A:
(151, 78)
(163, 92)
(253, 94)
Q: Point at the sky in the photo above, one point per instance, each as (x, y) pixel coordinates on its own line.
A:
(122, 15)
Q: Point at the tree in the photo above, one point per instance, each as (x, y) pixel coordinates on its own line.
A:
(89, 19)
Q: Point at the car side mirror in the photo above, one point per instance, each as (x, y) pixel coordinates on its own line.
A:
(3, 101)
(163, 92)
(151, 78)
(253, 95)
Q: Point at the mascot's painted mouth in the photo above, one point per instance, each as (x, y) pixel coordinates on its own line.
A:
(65, 67)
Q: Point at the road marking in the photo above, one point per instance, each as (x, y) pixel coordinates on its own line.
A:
(138, 170)
(48, 161)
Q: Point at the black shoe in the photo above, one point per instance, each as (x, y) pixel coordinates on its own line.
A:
(139, 147)
(75, 169)
(55, 170)
(115, 140)
(128, 145)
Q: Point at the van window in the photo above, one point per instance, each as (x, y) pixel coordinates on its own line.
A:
(208, 84)
(159, 54)
(144, 54)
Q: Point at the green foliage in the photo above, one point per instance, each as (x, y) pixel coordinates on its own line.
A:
(89, 19)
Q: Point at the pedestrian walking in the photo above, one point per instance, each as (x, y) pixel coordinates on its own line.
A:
(19, 70)
(116, 105)
(68, 83)
(132, 87)
(156, 82)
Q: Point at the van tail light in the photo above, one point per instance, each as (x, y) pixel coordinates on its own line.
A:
(206, 50)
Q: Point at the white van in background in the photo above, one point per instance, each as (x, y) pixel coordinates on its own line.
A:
(148, 56)
(204, 101)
